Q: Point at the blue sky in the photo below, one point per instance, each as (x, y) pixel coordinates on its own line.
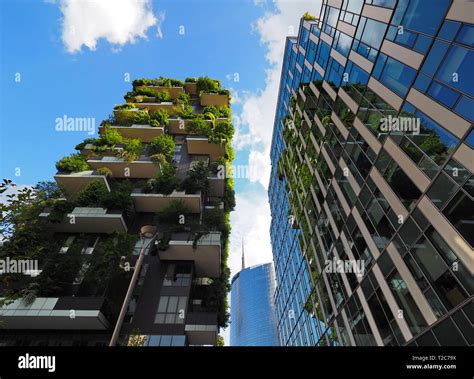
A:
(72, 60)
(88, 84)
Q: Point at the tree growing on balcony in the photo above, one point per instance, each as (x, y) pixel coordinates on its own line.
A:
(163, 144)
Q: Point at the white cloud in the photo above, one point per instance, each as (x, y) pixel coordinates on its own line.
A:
(250, 221)
(255, 125)
(117, 21)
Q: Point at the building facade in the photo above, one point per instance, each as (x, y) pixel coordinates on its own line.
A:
(151, 186)
(371, 186)
(253, 321)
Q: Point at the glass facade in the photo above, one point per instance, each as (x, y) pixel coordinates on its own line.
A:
(372, 169)
(253, 321)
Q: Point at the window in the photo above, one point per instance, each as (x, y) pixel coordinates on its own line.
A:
(416, 17)
(396, 76)
(443, 94)
(456, 69)
(438, 273)
(402, 184)
(342, 43)
(449, 30)
(411, 312)
(171, 310)
(373, 33)
(460, 212)
(441, 190)
(466, 35)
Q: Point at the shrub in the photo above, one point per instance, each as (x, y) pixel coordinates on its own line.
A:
(163, 144)
(172, 212)
(141, 117)
(198, 126)
(72, 163)
(190, 80)
(187, 112)
(206, 84)
(309, 17)
(162, 96)
(93, 195)
(131, 149)
(83, 144)
(107, 172)
(197, 179)
(109, 137)
(125, 106)
(217, 111)
(224, 130)
(166, 180)
(158, 158)
(160, 116)
(60, 209)
(183, 98)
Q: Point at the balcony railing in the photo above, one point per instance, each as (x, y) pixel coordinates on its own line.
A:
(76, 181)
(145, 133)
(206, 253)
(201, 328)
(155, 202)
(89, 220)
(143, 168)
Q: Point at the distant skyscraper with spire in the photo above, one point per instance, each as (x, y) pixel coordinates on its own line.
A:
(253, 321)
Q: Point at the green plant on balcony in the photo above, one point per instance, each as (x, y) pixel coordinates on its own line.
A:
(309, 17)
(164, 241)
(107, 172)
(83, 144)
(197, 179)
(72, 163)
(159, 118)
(223, 130)
(162, 96)
(60, 208)
(124, 106)
(198, 126)
(171, 213)
(183, 98)
(186, 112)
(210, 116)
(163, 144)
(159, 159)
(165, 182)
(217, 111)
(206, 84)
(141, 117)
(190, 80)
(132, 147)
(93, 195)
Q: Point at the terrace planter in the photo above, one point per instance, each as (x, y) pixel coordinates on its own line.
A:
(143, 168)
(76, 181)
(202, 146)
(155, 106)
(173, 91)
(206, 256)
(155, 202)
(191, 88)
(89, 220)
(145, 133)
(214, 99)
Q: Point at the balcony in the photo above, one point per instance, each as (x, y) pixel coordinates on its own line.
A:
(55, 313)
(190, 88)
(89, 220)
(216, 186)
(206, 256)
(214, 99)
(173, 91)
(201, 328)
(178, 125)
(143, 168)
(145, 133)
(77, 181)
(155, 202)
(202, 146)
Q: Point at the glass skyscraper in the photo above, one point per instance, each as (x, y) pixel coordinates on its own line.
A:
(371, 190)
(253, 321)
